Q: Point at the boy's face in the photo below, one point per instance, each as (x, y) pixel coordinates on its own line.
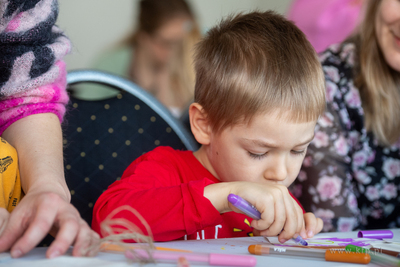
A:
(268, 149)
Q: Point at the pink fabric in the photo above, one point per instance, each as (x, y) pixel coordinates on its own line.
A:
(325, 22)
(14, 24)
(51, 98)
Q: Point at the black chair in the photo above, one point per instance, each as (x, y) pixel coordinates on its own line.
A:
(103, 137)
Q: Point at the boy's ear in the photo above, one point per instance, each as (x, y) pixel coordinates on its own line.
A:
(199, 124)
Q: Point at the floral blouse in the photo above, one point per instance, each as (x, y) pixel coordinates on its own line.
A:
(347, 179)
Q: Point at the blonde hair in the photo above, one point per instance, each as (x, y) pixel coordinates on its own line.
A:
(257, 62)
(378, 83)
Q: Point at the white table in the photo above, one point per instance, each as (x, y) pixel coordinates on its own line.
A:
(236, 246)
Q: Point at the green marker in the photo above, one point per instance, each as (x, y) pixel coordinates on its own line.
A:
(376, 257)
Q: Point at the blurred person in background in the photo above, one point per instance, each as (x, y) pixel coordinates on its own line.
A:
(157, 56)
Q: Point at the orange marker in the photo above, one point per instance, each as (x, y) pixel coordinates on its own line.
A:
(328, 255)
(109, 247)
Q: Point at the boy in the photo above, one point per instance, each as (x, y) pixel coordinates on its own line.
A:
(259, 91)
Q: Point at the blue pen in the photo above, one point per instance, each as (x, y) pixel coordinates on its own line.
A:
(252, 212)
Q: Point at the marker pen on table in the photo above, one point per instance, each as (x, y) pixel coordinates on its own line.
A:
(212, 259)
(387, 252)
(328, 255)
(376, 257)
(252, 212)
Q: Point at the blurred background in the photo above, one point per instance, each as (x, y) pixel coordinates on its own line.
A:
(95, 25)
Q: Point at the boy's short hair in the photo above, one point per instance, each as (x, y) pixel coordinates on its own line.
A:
(255, 63)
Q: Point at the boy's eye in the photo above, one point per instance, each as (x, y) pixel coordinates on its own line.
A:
(299, 153)
(257, 156)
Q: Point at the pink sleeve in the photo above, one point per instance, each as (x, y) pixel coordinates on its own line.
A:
(48, 98)
(32, 70)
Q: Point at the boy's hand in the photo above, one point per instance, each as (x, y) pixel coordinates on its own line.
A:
(278, 209)
(313, 225)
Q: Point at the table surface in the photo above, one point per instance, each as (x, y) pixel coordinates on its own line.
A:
(236, 246)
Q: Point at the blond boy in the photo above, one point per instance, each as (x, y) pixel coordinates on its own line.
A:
(259, 91)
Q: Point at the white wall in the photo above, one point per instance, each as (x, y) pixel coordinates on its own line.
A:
(95, 25)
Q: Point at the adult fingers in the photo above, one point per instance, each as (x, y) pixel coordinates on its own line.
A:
(94, 241)
(68, 223)
(17, 223)
(37, 228)
(85, 239)
(4, 217)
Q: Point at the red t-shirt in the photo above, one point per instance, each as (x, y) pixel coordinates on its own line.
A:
(166, 187)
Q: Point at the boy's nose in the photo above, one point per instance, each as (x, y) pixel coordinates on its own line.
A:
(276, 171)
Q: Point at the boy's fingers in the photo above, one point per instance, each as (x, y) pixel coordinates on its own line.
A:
(274, 218)
(291, 224)
(320, 225)
(311, 224)
(279, 219)
(267, 218)
(300, 218)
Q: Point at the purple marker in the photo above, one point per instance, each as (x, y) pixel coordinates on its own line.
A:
(252, 212)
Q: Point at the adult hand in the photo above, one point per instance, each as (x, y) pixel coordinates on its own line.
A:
(46, 205)
(40, 213)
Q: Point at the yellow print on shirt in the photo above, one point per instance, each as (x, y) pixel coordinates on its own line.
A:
(10, 183)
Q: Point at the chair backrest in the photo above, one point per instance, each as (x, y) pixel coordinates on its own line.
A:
(103, 137)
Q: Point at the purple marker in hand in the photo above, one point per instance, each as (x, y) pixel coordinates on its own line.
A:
(252, 212)
(244, 206)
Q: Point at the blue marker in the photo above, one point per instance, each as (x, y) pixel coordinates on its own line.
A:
(252, 212)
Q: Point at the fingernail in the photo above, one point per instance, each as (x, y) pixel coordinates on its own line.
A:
(283, 240)
(16, 253)
(303, 234)
(54, 254)
(310, 233)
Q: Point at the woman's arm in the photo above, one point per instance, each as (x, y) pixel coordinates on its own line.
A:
(45, 207)
(32, 103)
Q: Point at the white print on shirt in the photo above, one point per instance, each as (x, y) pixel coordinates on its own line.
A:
(216, 230)
(202, 235)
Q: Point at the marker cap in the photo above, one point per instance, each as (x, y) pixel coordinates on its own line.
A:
(379, 234)
(231, 260)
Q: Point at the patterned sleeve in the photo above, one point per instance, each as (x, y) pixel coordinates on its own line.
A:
(32, 70)
(324, 185)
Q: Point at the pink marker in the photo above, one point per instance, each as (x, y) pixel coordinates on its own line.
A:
(212, 259)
